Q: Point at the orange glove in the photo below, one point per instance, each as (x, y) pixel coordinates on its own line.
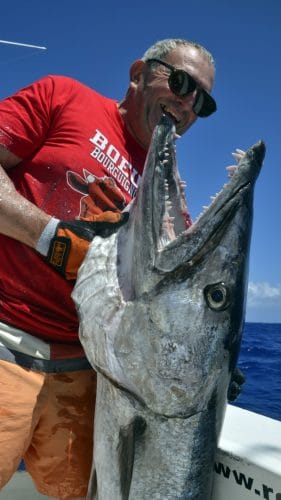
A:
(67, 247)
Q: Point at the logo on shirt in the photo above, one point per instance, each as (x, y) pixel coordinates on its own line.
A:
(115, 163)
(99, 193)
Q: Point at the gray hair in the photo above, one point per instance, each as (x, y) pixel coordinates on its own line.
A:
(163, 47)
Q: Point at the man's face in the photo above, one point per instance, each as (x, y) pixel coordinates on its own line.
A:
(150, 94)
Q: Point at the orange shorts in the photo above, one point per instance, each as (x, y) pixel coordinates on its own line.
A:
(47, 419)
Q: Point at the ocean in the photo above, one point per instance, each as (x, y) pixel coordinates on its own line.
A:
(260, 361)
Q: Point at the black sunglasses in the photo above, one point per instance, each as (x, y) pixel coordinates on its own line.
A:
(182, 84)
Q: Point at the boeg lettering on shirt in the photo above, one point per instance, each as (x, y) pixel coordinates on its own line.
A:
(115, 163)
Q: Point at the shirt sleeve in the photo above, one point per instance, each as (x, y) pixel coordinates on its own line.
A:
(25, 118)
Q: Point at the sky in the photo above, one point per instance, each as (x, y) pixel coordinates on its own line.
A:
(96, 42)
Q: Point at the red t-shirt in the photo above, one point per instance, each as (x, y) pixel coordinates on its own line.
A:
(69, 138)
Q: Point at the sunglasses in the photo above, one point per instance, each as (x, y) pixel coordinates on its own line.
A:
(182, 84)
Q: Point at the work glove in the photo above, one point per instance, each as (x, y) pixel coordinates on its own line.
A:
(65, 244)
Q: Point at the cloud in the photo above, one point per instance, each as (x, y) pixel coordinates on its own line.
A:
(262, 294)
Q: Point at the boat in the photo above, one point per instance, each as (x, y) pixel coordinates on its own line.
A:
(248, 459)
(247, 463)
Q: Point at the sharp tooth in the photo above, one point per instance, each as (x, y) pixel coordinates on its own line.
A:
(163, 241)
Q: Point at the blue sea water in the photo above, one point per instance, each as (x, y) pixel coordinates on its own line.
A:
(260, 361)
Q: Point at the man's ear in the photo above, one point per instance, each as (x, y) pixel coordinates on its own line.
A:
(136, 70)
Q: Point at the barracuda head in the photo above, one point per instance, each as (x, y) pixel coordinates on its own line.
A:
(161, 306)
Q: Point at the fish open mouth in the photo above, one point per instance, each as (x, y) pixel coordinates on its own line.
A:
(171, 215)
(176, 221)
(170, 211)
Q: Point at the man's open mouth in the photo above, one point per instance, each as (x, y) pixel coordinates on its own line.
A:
(171, 113)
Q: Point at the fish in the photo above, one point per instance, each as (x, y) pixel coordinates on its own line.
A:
(161, 306)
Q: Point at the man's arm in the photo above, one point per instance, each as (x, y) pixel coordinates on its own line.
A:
(19, 218)
(64, 244)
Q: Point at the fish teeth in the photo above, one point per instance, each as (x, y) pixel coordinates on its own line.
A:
(163, 241)
(198, 217)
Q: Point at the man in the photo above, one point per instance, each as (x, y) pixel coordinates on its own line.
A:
(71, 161)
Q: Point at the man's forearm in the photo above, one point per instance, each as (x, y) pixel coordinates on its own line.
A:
(19, 218)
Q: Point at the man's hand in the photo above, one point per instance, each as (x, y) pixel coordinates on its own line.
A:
(235, 386)
(65, 244)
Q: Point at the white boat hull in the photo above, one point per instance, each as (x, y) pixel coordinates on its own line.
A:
(248, 460)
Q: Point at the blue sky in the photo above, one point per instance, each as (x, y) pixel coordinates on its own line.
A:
(95, 42)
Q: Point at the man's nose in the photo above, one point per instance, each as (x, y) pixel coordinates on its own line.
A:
(186, 102)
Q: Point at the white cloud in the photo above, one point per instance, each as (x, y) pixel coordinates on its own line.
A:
(260, 292)
(263, 302)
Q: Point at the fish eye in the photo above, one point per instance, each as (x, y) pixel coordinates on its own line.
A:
(217, 296)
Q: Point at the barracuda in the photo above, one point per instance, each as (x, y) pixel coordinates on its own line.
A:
(161, 311)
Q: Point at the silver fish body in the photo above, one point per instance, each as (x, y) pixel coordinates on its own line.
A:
(161, 311)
